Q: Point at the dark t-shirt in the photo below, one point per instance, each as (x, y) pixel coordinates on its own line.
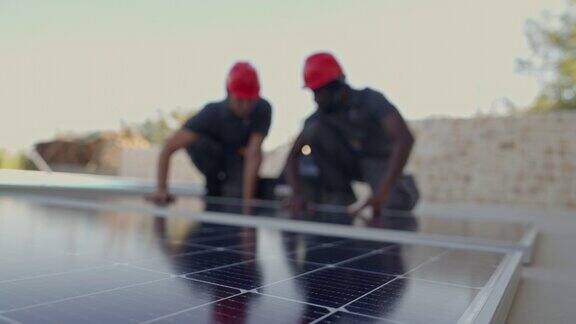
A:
(217, 122)
(360, 122)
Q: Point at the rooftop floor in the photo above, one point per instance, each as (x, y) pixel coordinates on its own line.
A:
(547, 290)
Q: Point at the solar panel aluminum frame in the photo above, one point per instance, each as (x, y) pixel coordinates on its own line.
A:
(86, 185)
(493, 303)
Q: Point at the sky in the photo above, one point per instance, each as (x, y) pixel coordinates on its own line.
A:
(84, 65)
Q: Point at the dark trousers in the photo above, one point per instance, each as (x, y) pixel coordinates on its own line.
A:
(404, 194)
(339, 165)
(224, 171)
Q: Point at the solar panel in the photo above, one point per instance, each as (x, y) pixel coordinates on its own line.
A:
(398, 226)
(70, 265)
(426, 228)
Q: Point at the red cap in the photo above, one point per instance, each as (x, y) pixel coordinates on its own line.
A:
(243, 82)
(321, 69)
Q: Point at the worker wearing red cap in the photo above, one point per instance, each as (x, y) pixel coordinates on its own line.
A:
(223, 140)
(354, 135)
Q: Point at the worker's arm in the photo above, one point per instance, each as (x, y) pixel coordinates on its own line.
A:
(180, 139)
(252, 162)
(292, 166)
(292, 171)
(402, 142)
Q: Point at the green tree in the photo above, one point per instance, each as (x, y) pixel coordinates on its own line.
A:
(15, 161)
(156, 130)
(553, 43)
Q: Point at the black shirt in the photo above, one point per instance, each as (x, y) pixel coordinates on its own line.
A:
(218, 122)
(360, 122)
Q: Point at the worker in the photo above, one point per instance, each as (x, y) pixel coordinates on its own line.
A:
(354, 135)
(223, 140)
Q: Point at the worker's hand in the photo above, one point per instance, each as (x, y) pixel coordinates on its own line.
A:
(248, 242)
(247, 208)
(375, 202)
(296, 204)
(160, 198)
(372, 202)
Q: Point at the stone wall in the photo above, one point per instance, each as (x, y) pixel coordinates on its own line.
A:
(523, 160)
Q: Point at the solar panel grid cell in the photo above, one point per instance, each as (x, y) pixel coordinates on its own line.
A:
(350, 318)
(240, 309)
(195, 262)
(23, 293)
(130, 305)
(430, 302)
(249, 275)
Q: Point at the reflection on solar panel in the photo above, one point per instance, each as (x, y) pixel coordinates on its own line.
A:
(71, 265)
(115, 193)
